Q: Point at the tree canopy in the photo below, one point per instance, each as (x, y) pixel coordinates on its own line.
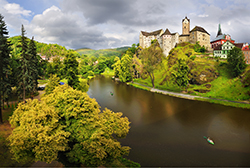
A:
(70, 69)
(5, 61)
(180, 73)
(67, 124)
(236, 61)
(151, 57)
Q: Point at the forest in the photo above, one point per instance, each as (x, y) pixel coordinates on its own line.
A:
(67, 123)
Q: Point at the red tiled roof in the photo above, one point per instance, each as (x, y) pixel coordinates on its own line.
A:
(246, 48)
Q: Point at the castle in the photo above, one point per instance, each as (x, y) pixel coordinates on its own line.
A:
(169, 40)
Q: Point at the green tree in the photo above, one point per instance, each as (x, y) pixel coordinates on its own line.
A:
(67, 122)
(57, 66)
(24, 77)
(151, 58)
(126, 69)
(236, 61)
(101, 65)
(180, 73)
(117, 66)
(83, 85)
(52, 84)
(71, 69)
(4, 63)
(33, 65)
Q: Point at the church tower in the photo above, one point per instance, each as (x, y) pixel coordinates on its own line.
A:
(185, 26)
(219, 31)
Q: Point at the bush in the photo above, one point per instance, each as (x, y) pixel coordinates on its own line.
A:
(193, 57)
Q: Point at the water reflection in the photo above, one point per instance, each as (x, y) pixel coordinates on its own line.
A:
(168, 131)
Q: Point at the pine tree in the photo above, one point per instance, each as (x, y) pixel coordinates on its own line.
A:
(71, 70)
(33, 66)
(24, 78)
(236, 62)
(4, 63)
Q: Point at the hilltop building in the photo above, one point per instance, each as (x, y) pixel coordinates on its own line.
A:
(223, 43)
(196, 34)
(246, 52)
(168, 40)
(221, 39)
(223, 49)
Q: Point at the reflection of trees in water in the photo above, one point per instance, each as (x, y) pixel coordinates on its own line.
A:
(124, 92)
(196, 113)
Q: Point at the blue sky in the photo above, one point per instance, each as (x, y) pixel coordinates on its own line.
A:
(100, 24)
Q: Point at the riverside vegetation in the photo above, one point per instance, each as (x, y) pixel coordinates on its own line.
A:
(188, 69)
(69, 128)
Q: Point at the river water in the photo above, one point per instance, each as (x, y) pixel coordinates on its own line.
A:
(168, 131)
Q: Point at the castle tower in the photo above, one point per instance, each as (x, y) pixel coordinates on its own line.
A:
(185, 26)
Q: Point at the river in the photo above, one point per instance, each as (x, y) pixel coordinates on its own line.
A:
(168, 131)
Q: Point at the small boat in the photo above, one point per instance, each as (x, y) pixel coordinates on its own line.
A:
(111, 93)
(209, 140)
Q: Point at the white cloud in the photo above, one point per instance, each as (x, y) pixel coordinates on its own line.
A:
(112, 23)
(15, 9)
(68, 29)
(203, 15)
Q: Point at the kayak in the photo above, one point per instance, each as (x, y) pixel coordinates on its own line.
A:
(209, 140)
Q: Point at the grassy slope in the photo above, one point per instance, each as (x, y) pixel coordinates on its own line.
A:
(228, 88)
(224, 87)
(105, 52)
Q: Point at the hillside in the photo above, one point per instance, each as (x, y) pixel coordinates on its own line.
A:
(103, 52)
(207, 76)
(48, 50)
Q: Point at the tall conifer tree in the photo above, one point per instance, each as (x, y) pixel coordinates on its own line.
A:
(33, 66)
(4, 62)
(24, 78)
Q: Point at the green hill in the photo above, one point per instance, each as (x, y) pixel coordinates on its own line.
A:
(103, 52)
(208, 77)
(49, 50)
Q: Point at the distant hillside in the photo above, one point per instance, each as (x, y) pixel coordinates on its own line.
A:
(48, 50)
(103, 52)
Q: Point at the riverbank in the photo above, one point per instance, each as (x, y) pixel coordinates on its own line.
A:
(238, 104)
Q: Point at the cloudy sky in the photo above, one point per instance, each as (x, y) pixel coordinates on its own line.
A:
(100, 24)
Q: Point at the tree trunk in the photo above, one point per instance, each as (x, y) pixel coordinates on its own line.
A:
(23, 94)
(152, 77)
(1, 116)
(3, 103)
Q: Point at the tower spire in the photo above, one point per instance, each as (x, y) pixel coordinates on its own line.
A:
(219, 31)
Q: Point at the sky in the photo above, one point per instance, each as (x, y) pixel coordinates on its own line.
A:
(101, 24)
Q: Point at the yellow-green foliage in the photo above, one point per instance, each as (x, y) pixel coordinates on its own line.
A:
(53, 83)
(83, 85)
(197, 66)
(108, 72)
(38, 133)
(68, 119)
